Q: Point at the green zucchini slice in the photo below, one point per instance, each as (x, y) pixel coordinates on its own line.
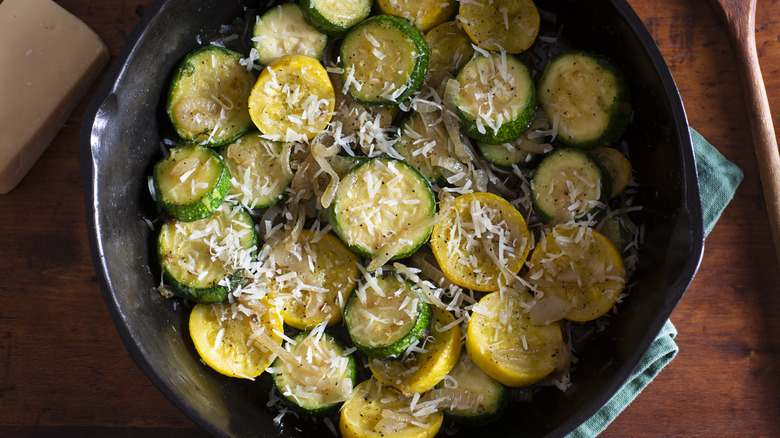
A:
(383, 209)
(496, 98)
(587, 97)
(203, 260)
(525, 151)
(424, 366)
(386, 314)
(191, 182)
(342, 164)
(474, 397)
(425, 144)
(385, 61)
(282, 30)
(207, 96)
(335, 17)
(569, 185)
(257, 168)
(620, 230)
(321, 375)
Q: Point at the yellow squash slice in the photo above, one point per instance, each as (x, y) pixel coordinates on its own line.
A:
(482, 242)
(222, 332)
(617, 165)
(581, 266)
(293, 99)
(314, 275)
(423, 370)
(376, 411)
(502, 341)
(511, 25)
(424, 14)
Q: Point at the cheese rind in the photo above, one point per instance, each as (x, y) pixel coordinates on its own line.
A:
(48, 60)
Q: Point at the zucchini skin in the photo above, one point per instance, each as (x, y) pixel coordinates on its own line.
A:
(620, 108)
(203, 207)
(404, 145)
(312, 42)
(257, 201)
(360, 250)
(314, 410)
(213, 292)
(419, 70)
(487, 417)
(187, 68)
(509, 130)
(506, 133)
(505, 159)
(422, 324)
(317, 20)
(596, 211)
(494, 405)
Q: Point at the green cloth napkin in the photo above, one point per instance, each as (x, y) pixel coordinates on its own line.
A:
(718, 180)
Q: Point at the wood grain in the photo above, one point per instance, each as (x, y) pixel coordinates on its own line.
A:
(739, 17)
(65, 372)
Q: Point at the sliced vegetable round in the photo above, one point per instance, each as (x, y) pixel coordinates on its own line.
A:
(375, 411)
(450, 48)
(587, 96)
(191, 182)
(385, 60)
(619, 229)
(496, 98)
(207, 96)
(617, 165)
(202, 260)
(482, 242)
(383, 209)
(311, 278)
(257, 167)
(368, 124)
(424, 14)
(386, 314)
(282, 30)
(317, 376)
(581, 266)
(474, 397)
(524, 151)
(568, 184)
(502, 341)
(423, 369)
(334, 17)
(425, 145)
(510, 25)
(223, 333)
(342, 164)
(293, 99)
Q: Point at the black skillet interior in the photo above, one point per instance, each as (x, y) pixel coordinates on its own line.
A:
(121, 140)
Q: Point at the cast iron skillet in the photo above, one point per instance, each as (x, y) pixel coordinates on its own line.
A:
(121, 140)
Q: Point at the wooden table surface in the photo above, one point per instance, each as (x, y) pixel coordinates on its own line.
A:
(65, 372)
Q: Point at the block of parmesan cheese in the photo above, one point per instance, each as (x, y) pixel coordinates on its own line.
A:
(48, 59)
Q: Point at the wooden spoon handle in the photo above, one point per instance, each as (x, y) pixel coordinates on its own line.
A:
(740, 18)
(762, 128)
